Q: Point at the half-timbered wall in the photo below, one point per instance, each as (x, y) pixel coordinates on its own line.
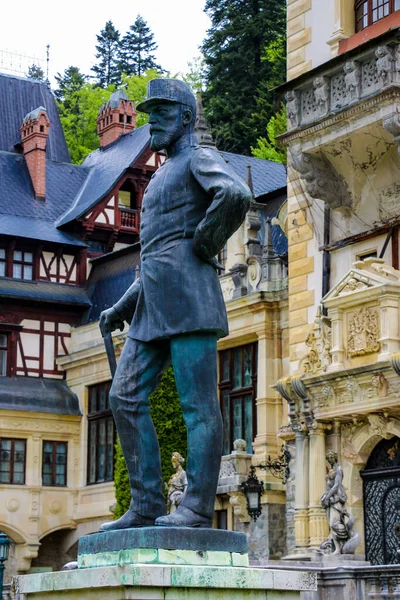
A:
(58, 267)
(36, 263)
(38, 344)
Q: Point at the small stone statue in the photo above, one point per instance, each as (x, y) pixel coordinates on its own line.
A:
(342, 538)
(177, 483)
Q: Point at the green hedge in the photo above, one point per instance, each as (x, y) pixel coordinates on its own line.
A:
(168, 421)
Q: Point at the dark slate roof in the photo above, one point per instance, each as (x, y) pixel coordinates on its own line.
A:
(267, 175)
(110, 277)
(43, 291)
(115, 99)
(107, 165)
(18, 202)
(38, 395)
(18, 97)
(36, 229)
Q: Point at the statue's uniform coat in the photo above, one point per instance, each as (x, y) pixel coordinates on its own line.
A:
(178, 292)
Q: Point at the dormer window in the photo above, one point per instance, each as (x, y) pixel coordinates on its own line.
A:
(371, 11)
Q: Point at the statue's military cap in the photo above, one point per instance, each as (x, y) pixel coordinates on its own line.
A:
(167, 90)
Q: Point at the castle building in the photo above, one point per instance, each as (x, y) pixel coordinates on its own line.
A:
(68, 249)
(342, 386)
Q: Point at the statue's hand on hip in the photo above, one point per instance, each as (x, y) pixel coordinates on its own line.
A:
(110, 320)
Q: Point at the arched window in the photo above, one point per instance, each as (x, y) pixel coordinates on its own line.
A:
(371, 11)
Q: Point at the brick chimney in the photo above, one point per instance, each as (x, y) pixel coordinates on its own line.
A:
(34, 133)
(117, 116)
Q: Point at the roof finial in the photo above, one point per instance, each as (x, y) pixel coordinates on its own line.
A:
(204, 136)
(268, 249)
(250, 179)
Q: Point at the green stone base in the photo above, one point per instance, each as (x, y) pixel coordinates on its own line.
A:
(159, 556)
(166, 582)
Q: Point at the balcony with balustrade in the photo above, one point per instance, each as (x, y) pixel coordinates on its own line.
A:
(344, 123)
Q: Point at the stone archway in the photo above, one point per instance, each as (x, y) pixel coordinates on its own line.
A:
(381, 493)
(53, 555)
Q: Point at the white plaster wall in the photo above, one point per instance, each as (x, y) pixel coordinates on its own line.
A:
(321, 19)
(342, 260)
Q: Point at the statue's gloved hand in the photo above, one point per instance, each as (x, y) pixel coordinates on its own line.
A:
(110, 320)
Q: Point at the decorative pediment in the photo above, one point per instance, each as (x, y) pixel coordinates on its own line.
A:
(365, 274)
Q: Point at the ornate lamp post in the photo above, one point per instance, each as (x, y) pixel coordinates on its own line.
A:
(4, 550)
(253, 488)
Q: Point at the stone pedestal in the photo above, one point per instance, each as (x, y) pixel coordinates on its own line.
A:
(154, 563)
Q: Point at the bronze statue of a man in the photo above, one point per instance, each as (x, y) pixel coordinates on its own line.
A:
(192, 205)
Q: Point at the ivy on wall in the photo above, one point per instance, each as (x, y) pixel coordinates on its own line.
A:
(171, 431)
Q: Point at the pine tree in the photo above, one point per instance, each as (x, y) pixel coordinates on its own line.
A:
(72, 81)
(35, 72)
(136, 49)
(239, 73)
(107, 69)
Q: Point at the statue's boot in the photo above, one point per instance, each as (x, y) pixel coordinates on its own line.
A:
(183, 517)
(128, 520)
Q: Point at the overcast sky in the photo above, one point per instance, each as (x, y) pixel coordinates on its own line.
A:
(70, 27)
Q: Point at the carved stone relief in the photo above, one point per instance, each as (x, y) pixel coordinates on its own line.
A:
(293, 108)
(321, 94)
(363, 333)
(239, 504)
(352, 79)
(319, 342)
(384, 64)
(320, 178)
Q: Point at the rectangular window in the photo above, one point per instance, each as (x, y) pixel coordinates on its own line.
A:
(2, 262)
(22, 264)
(54, 466)
(238, 391)
(223, 255)
(102, 437)
(12, 461)
(222, 519)
(3, 354)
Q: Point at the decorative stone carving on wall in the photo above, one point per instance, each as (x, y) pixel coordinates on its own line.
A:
(350, 391)
(321, 93)
(384, 64)
(319, 342)
(227, 469)
(363, 333)
(344, 83)
(378, 387)
(320, 178)
(239, 503)
(382, 425)
(293, 108)
(353, 284)
(352, 79)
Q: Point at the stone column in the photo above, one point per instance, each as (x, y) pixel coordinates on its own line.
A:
(337, 351)
(318, 524)
(301, 529)
(269, 403)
